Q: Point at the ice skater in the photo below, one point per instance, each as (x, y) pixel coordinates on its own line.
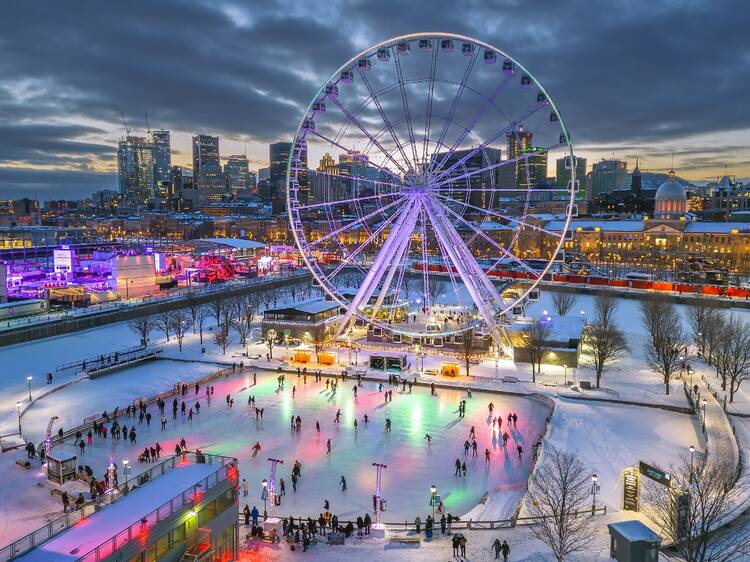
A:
(328, 447)
(256, 448)
(343, 483)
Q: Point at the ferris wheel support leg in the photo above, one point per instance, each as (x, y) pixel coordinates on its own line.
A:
(468, 269)
(379, 264)
(403, 244)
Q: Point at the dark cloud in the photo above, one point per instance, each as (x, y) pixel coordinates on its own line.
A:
(633, 73)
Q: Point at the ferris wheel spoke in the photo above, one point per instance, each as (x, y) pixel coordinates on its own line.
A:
(425, 259)
(489, 102)
(494, 166)
(405, 104)
(452, 111)
(365, 132)
(356, 155)
(428, 112)
(399, 282)
(403, 244)
(347, 201)
(385, 119)
(451, 275)
(360, 220)
(511, 126)
(492, 242)
(511, 218)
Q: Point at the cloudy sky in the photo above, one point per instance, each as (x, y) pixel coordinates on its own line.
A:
(649, 78)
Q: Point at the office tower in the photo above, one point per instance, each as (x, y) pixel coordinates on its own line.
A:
(236, 172)
(162, 155)
(606, 177)
(562, 175)
(207, 173)
(635, 180)
(279, 159)
(135, 169)
(483, 182)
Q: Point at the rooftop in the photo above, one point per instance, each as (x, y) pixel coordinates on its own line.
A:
(95, 530)
(310, 307)
(635, 531)
(237, 243)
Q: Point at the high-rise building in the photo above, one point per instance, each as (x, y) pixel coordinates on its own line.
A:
(303, 179)
(252, 181)
(562, 175)
(207, 173)
(635, 180)
(135, 169)
(236, 172)
(279, 159)
(162, 156)
(607, 176)
(481, 183)
(531, 166)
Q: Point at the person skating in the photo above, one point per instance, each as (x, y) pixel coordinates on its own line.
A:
(432, 389)
(343, 483)
(354, 389)
(158, 450)
(474, 449)
(387, 425)
(294, 481)
(244, 488)
(472, 433)
(490, 407)
(515, 420)
(65, 499)
(463, 469)
(132, 436)
(467, 446)
(442, 524)
(458, 468)
(337, 417)
(163, 423)
(82, 446)
(428, 437)
(328, 447)
(520, 451)
(317, 426)
(486, 455)
(256, 449)
(355, 424)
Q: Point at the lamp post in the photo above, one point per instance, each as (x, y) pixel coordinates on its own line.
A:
(497, 364)
(378, 489)
(583, 315)
(692, 453)
(356, 355)
(18, 408)
(28, 382)
(690, 372)
(349, 343)
(126, 468)
(433, 490)
(594, 491)
(566, 374)
(264, 494)
(704, 402)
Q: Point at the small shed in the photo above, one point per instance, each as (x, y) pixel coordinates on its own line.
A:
(632, 541)
(61, 466)
(327, 358)
(302, 355)
(450, 369)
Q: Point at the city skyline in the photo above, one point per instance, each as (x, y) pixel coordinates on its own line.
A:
(61, 124)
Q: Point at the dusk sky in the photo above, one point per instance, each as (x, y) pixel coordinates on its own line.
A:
(635, 78)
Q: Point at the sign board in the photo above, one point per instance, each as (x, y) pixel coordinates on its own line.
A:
(631, 492)
(435, 500)
(655, 474)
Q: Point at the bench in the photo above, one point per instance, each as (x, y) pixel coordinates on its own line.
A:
(509, 378)
(410, 539)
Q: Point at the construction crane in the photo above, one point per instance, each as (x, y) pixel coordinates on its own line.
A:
(125, 123)
(148, 128)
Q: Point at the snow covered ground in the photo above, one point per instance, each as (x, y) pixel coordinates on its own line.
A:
(608, 437)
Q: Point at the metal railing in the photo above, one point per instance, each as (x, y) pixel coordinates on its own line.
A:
(185, 499)
(102, 359)
(67, 520)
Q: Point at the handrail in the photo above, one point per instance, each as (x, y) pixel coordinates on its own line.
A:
(97, 358)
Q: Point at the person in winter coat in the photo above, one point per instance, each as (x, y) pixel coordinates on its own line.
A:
(244, 488)
(246, 513)
(254, 513)
(505, 549)
(418, 524)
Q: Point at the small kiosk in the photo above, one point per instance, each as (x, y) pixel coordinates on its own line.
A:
(327, 358)
(302, 355)
(388, 362)
(61, 466)
(450, 369)
(632, 541)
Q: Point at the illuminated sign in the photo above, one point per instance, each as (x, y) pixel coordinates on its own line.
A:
(63, 260)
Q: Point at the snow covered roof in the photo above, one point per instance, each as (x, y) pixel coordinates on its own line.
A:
(238, 243)
(309, 307)
(564, 328)
(634, 531)
(716, 227)
(605, 225)
(116, 517)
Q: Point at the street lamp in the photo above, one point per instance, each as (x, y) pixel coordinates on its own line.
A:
(566, 374)
(433, 490)
(692, 453)
(704, 402)
(28, 381)
(497, 364)
(265, 497)
(594, 491)
(18, 408)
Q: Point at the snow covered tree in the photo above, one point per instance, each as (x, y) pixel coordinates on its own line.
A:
(180, 323)
(534, 340)
(163, 322)
(603, 344)
(701, 315)
(558, 497)
(143, 325)
(202, 316)
(666, 342)
(737, 343)
(690, 511)
(221, 337)
(193, 306)
(216, 306)
(435, 288)
(467, 348)
(605, 306)
(563, 302)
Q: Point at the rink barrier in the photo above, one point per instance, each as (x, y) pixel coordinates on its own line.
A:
(67, 520)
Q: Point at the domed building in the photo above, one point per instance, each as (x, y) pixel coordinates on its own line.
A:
(670, 202)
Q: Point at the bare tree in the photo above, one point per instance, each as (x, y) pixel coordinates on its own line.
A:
(180, 325)
(193, 306)
(534, 340)
(221, 337)
(666, 342)
(143, 325)
(603, 345)
(713, 335)
(689, 511)
(558, 498)
(216, 307)
(737, 368)
(163, 322)
(270, 341)
(243, 330)
(563, 302)
(700, 315)
(605, 306)
(467, 349)
(435, 288)
(201, 318)
(320, 338)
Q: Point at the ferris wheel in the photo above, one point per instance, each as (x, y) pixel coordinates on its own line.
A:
(412, 182)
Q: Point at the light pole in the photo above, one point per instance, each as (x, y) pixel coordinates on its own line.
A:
(704, 402)
(18, 408)
(692, 453)
(264, 495)
(28, 382)
(433, 490)
(349, 343)
(594, 491)
(566, 374)
(690, 372)
(497, 364)
(271, 490)
(378, 488)
(583, 315)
